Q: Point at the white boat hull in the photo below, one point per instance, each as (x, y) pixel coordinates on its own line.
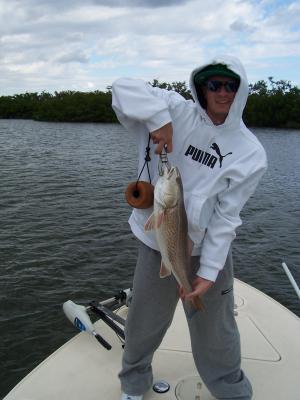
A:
(82, 369)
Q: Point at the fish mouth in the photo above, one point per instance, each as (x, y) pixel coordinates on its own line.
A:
(172, 172)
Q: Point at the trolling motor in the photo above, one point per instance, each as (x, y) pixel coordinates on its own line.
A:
(79, 317)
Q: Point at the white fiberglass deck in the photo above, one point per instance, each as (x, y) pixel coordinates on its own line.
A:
(82, 369)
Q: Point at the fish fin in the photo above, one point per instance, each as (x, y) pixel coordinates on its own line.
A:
(160, 219)
(164, 271)
(150, 223)
(181, 292)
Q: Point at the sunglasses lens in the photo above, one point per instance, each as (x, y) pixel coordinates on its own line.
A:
(213, 86)
(230, 86)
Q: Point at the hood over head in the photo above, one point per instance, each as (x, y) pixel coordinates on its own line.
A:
(222, 66)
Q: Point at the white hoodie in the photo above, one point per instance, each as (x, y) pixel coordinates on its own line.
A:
(220, 165)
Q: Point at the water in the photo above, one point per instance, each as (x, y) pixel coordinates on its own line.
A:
(64, 232)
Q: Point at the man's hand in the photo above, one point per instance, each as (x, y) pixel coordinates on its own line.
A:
(200, 287)
(163, 136)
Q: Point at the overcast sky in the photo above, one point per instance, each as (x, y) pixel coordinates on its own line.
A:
(85, 45)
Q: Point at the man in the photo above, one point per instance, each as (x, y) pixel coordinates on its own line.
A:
(220, 162)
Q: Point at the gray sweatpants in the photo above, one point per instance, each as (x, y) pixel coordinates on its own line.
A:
(214, 335)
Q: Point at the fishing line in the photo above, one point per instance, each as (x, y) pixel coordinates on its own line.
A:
(140, 194)
(147, 160)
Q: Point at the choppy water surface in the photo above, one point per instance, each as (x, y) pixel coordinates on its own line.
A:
(64, 231)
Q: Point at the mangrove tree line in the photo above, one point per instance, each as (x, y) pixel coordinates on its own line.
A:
(270, 104)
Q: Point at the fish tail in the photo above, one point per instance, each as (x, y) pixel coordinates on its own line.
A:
(192, 307)
(198, 305)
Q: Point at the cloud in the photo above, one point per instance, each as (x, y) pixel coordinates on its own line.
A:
(72, 56)
(241, 26)
(141, 3)
(56, 45)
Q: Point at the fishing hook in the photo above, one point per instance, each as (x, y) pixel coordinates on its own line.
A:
(163, 161)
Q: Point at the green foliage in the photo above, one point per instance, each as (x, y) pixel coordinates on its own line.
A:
(273, 104)
(179, 87)
(270, 104)
(65, 106)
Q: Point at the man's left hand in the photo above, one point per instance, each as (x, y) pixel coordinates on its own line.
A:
(200, 287)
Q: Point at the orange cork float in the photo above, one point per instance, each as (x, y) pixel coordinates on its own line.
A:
(140, 194)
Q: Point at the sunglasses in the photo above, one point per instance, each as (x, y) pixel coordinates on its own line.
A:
(229, 86)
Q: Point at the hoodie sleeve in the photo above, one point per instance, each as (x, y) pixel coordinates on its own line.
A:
(225, 218)
(136, 102)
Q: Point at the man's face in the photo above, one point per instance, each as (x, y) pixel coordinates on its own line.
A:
(219, 101)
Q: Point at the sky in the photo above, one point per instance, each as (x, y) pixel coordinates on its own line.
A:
(85, 45)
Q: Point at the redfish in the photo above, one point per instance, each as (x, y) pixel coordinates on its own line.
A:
(170, 223)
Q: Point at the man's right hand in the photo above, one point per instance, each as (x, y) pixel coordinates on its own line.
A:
(163, 137)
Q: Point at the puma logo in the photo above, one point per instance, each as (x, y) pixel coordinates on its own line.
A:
(216, 148)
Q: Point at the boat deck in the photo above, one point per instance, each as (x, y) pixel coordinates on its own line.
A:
(82, 369)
